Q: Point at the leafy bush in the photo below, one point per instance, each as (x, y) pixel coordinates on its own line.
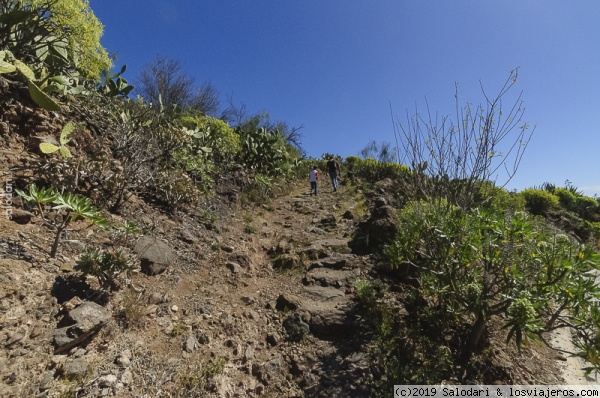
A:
(566, 198)
(351, 161)
(146, 141)
(401, 346)
(260, 190)
(540, 202)
(373, 171)
(494, 198)
(590, 230)
(107, 265)
(213, 133)
(457, 254)
(175, 188)
(428, 232)
(264, 151)
(585, 207)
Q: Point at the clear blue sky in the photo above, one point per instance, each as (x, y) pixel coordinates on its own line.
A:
(335, 65)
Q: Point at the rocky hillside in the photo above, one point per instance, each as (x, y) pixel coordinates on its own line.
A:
(209, 312)
(234, 299)
(257, 303)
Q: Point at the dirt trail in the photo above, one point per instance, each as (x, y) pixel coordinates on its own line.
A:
(570, 366)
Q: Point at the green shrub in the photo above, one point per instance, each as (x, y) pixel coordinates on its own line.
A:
(350, 162)
(260, 191)
(540, 202)
(145, 140)
(428, 231)
(175, 188)
(456, 255)
(107, 265)
(585, 207)
(215, 134)
(372, 170)
(589, 230)
(265, 151)
(368, 292)
(495, 198)
(566, 198)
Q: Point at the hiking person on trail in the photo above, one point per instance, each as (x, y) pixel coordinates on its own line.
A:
(333, 167)
(314, 177)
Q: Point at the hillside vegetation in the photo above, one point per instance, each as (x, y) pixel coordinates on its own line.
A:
(149, 249)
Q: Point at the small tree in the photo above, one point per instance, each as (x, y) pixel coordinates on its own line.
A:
(67, 208)
(449, 157)
(165, 81)
(383, 152)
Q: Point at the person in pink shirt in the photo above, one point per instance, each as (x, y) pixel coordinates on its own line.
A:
(314, 177)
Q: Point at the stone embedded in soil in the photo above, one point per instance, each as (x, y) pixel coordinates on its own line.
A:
(74, 368)
(85, 321)
(154, 254)
(331, 277)
(21, 216)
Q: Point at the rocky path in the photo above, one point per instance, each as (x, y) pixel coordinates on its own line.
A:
(313, 243)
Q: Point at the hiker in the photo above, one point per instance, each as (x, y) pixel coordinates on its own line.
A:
(314, 177)
(333, 167)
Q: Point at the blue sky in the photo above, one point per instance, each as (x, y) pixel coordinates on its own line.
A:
(335, 66)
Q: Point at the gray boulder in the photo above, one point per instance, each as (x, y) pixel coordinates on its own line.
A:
(154, 254)
(84, 322)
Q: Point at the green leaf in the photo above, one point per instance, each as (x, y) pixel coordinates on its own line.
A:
(42, 99)
(5, 67)
(65, 153)
(47, 147)
(25, 196)
(65, 134)
(59, 49)
(24, 69)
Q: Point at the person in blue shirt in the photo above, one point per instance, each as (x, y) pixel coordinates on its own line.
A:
(314, 177)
